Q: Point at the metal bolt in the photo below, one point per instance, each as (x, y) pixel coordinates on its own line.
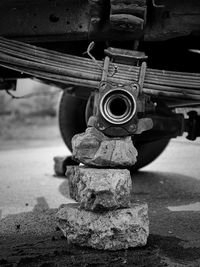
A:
(101, 127)
(132, 127)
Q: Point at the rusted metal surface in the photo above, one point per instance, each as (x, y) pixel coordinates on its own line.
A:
(128, 16)
(174, 19)
(66, 18)
(117, 19)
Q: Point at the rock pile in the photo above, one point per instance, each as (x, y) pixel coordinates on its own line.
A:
(103, 217)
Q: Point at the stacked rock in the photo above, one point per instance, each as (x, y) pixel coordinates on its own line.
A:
(103, 217)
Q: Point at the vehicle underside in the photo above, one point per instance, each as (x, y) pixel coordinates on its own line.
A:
(124, 66)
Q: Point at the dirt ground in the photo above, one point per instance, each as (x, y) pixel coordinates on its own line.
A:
(49, 248)
(30, 237)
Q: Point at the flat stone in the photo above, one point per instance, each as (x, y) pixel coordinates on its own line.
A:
(99, 189)
(60, 164)
(93, 148)
(112, 230)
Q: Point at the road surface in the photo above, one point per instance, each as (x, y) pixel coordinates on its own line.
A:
(30, 195)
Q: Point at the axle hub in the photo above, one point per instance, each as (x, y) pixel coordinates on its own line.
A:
(118, 106)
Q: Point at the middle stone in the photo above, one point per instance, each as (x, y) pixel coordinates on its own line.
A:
(99, 189)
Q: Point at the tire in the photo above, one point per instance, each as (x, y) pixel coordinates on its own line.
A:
(71, 117)
(72, 121)
(148, 152)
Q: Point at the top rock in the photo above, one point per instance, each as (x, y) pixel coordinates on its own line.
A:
(93, 148)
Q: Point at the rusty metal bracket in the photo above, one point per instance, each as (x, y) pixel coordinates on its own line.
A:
(124, 56)
(142, 75)
(105, 69)
(156, 5)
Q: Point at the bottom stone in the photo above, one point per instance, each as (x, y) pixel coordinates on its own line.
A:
(112, 230)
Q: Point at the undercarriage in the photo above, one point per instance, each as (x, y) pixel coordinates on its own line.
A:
(104, 55)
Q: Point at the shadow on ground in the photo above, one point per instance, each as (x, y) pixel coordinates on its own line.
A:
(33, 239)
